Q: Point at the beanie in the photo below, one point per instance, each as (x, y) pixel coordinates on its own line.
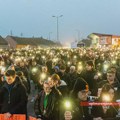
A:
(80, 84)
(90, 62)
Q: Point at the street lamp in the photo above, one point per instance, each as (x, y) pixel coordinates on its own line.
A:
(57, 17)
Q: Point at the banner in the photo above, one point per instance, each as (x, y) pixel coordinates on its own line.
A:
(13, 117)
(100, 103)
(19, 117)
(32, 118)
(2, 117)
(105, 40)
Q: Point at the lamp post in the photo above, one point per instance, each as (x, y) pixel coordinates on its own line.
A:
(57, 17)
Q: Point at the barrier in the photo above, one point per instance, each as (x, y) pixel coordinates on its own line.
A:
(13, 117)
(32, 118)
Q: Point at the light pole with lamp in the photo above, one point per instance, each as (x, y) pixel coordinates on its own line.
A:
(57, 17)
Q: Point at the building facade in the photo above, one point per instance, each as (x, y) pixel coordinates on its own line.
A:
(99, 40)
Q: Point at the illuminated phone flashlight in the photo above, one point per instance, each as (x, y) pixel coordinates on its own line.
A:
(43, 76)
(43, 57)
(34, 70)
(113, 62)
(80, 67)
(112, 55)
(99, 74)
(116, 53)
(79, 63)
(102, 54)
(55, 59)
(25, 60)
(106, 98)
(33, 57)
(106, 66)
(11, 57)
(68, 63)
(18, 59)
(75, 57)
(51, 53)
(3, 69)
(67, 104)
(81, 54)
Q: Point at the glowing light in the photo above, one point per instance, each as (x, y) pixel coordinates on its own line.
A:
(25, 60)
(106, 98)
(34, 70)
(106, 66)
(55, 59)
(68, 63)
(113, 62)
(3, 69)
(79, 63)
(17, 59)
(75, 57)
(43, 57)
(99, 74)
(67, 104)
(80, 67)
(43, 76)
(81, 54)
(51, 53)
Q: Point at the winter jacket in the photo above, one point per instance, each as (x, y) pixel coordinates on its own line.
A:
(88, 76)
(63, 88)
(13, 98)
(48, 113)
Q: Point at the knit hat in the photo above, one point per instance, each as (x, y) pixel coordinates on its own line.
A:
(80, 84)
(90, 62)
(10, 73)
(56, 67)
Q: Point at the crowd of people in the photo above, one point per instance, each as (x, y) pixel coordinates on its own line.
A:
(77, 75)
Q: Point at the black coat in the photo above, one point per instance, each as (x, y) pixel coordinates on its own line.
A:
(26, 74)
(65, 77)
(51, 109)
(110, 113)
(1, 84)
(63, 88)
(73, 76)
(14, 101)
(88, 76)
